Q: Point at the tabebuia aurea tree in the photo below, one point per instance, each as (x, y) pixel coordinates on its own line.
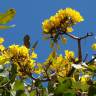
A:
(60, 75)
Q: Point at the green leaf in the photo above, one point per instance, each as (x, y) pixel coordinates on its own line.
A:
(3, 80)
(80, 86)
(63, 87)
(92, 90)
(18, 85)
(33, 93)
(1, 68)
(4, 74)
(50, 86)
(46, 37)
(2, 27)
(5, 92)
(69, 94)
(58, 46)
(8, 16)
(92, 68)
(20, 93)
(51, 44)
(13, 73)
(67, 82)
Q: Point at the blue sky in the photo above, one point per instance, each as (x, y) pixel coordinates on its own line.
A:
(31, 13)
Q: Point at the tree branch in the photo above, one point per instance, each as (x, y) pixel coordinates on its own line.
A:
(91, 60)
(87, 35)
(72, 36)
(79, 42)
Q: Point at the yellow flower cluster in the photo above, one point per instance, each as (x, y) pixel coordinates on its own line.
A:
(62, 65)
(39, 68)
(63, 18)
(94, 46)
(69, 54)
(19, 55)
(73, 14)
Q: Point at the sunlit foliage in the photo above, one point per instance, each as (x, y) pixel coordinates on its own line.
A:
(66, 74)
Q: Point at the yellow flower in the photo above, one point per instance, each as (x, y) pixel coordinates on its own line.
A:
(61, 14)
(85, 78)
(69, 54)
(55, 20)
(20, 56)
(24, 51)
(31, 64)
(94, 46)
(63, 18)
(47, 25)
(69, 29)
(73, 14)
(59, 58)
(14, 49)
(1, 40)
(18, 50)
(39, 69)
(2, 47)
(34, 55)
(4, 60)
(60, 66)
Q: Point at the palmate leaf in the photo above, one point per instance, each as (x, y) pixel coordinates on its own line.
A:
(7, 17)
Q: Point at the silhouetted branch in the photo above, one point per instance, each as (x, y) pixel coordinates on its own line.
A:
(85, 58)
(72, 36)
(87, 35)
(79, 43)
(91, 60)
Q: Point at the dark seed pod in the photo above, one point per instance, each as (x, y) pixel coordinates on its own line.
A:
(27, 41)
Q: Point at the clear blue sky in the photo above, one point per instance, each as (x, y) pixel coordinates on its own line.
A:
(31, 13)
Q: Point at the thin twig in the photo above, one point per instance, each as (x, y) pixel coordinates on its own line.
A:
(5, 84)
(87, 35)
(72, 36)
(91, 60)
